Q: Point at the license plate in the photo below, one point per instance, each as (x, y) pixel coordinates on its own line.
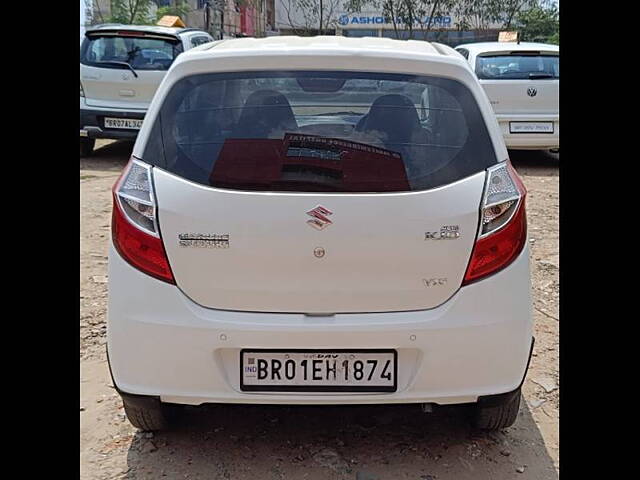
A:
(318, 370)
(530, 127)
(128, 123)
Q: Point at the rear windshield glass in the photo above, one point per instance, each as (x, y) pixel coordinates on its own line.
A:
(320, 131)
(516, 67)
(141, 53)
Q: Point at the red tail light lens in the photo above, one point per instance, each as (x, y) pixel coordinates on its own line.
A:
(503, 229)
(134, 227)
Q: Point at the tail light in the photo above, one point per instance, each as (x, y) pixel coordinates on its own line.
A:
(134, 225)
(503, 225)
(81, 90)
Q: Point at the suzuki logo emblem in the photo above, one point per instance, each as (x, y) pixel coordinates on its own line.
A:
(319, 220)
(532, 92)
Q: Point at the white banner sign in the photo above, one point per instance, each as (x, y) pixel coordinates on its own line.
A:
(377, 20)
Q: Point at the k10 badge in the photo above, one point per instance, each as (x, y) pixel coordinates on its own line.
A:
(446, 232)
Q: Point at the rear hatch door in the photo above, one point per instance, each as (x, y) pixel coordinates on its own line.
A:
(107, 79)
(520, 82)
(310, 191)
(286, 252)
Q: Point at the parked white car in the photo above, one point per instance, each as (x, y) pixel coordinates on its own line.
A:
(290, 230)
(121, 67)
(522, 81)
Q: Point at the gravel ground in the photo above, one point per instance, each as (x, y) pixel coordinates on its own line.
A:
(361, 443)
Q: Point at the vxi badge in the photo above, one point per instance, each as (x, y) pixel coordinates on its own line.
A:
(447, 232)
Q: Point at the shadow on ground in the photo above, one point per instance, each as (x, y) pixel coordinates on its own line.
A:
(338, 442)
(108, 156)
(535, 162)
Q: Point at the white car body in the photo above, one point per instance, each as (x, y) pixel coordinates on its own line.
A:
(371, 290)
(512, 101)
(115, 92)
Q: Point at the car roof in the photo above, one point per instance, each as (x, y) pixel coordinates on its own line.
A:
(141, 28)
(328, 42)
(482, 47)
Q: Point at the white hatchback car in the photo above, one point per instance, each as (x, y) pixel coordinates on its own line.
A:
(522, 81)
(290, 230)
(121, 67)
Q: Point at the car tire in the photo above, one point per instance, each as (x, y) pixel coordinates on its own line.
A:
(498, 412)
(86, 146)
(149, 414)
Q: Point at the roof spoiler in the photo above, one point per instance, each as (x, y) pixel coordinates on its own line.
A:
(124, 32)
(443, 49)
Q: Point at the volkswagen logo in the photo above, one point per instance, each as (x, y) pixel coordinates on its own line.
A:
(532, 92)
(319, 219)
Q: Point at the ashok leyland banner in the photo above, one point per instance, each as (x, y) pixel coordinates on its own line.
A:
(377, 20)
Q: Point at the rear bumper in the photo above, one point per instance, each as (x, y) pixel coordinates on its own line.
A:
(161, 344)
(92, 122)
(530, 141)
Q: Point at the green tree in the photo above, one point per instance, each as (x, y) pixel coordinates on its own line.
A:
(181, 8)
(475, 14)
(309, 17)
(481, 14)
(136, 12)
(539, 24)
(508, 10)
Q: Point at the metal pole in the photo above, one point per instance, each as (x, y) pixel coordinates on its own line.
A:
(320, 17)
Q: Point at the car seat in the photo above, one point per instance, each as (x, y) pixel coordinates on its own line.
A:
(394, 120)
(265, 114)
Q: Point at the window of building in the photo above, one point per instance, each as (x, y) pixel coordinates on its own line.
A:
(360, 33)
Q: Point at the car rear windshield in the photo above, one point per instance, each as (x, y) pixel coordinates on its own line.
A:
(518, 66)
(141, 52)
(320, 131)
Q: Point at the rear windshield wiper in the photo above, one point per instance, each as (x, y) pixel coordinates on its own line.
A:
(328, 114)
(120, 63)
(540, 75)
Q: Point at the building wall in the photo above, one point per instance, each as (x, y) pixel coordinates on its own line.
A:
(370, 22)
(247, 20)
(195, 18)
(100, 11)
(290, 17)
(83, 18)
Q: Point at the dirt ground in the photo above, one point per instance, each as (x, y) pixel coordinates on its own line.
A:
(361, 443)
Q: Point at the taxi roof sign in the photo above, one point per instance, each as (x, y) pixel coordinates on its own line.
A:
(171, 21)
(508, 37)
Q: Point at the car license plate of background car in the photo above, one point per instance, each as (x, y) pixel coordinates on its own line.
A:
(354, 370)
(128, 123)
(530, 127)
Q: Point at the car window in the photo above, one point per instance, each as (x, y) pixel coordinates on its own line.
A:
(141, 53)
(518, 66)
(199, 40)
(321, 131)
